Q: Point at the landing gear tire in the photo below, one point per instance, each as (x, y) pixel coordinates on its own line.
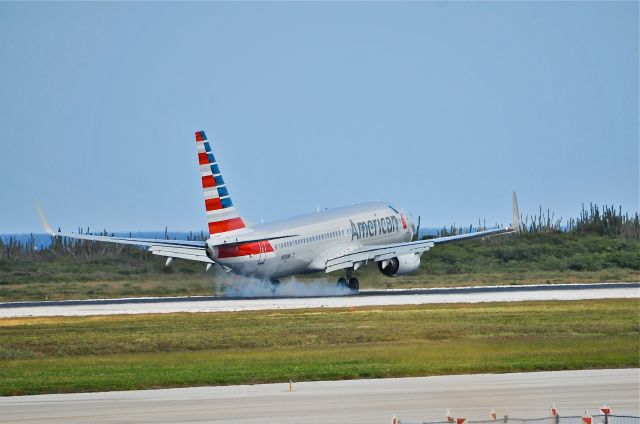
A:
(274, 285)
(342, 283)
(354, 284)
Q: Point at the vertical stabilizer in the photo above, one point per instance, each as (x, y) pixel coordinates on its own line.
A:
(221, 215)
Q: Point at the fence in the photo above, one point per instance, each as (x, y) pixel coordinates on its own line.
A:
(596, 419)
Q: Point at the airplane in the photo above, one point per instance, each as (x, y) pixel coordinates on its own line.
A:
(347, 238)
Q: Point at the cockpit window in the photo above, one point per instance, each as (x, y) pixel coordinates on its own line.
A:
(393, 209)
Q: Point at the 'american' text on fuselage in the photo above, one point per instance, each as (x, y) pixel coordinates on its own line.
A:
(374, 227)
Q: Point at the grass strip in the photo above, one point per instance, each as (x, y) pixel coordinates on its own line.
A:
(71, 354)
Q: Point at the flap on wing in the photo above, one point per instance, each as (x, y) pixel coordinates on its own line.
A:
(180, 252)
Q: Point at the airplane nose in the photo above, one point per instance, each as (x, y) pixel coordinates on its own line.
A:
(410, 224)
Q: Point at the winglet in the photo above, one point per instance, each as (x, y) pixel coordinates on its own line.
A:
(515, 218)
(43, 219)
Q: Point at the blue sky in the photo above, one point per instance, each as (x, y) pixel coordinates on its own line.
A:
(442, 108)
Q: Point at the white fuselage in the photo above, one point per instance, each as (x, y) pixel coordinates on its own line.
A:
(318, 237)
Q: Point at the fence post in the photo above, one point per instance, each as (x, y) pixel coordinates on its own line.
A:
(606, 411)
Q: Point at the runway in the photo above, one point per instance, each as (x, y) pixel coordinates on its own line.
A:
(364, 298)
(522, 395)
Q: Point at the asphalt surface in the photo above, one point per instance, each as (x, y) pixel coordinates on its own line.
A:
(522, 395)
(364, 298)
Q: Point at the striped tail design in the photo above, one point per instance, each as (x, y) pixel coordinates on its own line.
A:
(221, 214)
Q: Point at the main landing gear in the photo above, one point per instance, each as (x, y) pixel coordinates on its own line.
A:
(350, 282)
(274, 285)
(274, 282)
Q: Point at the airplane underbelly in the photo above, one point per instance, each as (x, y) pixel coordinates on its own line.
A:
(272, 265)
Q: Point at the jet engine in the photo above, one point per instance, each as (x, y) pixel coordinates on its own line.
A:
(212, 252)
(401, 265)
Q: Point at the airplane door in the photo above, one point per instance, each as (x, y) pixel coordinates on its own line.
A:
(263, 254)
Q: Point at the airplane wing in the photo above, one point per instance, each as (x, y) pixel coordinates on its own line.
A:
(377, 253)
(355, 258)
(183, 249)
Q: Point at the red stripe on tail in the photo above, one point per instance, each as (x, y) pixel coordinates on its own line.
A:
(208, 181)
(212, 204)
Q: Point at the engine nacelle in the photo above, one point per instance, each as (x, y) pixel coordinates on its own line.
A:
(212, 252)
(401, 265)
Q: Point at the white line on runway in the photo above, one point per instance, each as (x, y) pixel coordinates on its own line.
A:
(522, 395)
(416, 297)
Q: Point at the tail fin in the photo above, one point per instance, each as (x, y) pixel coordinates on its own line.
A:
(221, 215)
